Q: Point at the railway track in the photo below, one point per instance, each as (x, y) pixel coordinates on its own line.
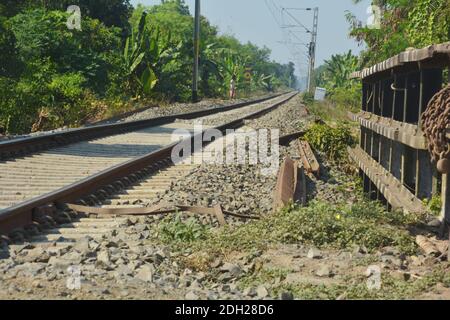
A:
(108, 160)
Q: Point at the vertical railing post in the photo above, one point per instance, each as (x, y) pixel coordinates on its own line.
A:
(403, 151)
(420, 161)
(391, 142)
(446, 197)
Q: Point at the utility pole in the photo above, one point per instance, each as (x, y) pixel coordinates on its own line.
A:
(312, 50)
(196, 51)
(296, 23)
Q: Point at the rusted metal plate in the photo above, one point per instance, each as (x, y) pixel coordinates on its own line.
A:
(286, 184)
(285, 140)
(300, 194)
(159, 209)
(309, 160)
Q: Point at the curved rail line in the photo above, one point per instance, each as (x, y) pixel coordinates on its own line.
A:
(121, 171)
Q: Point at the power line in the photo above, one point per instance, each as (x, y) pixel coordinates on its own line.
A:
(313, 44)
(272, 11)
(295, 19)
(287, 22)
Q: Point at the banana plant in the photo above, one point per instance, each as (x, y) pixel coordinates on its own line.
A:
(209, 66)
(231, 64)
(146, 52)
(263, 81)
(338, 70)
(133, 54)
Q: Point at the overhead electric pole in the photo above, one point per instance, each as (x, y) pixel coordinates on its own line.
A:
(312, 50)
(196, 51)
(295, 27)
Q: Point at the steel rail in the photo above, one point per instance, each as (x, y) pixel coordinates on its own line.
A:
(23, 146)
(21, 214)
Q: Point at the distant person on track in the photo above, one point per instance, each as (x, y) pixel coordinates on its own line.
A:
(233, 87)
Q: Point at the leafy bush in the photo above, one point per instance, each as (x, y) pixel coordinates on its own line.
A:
(176, 230)
(308, 98)
(333, 142)
(434, 204)
(334, 74)
(347, 98)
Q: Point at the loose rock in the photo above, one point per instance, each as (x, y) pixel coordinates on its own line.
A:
(314, 253)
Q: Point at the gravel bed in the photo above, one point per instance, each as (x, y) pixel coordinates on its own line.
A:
(296, 120)
(243, 189)
(228, 116)
(178, 108)
(238, 188)
(127, 264)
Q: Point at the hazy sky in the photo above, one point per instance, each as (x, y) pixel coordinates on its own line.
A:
(251, 20)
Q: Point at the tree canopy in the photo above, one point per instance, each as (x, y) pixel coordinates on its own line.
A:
(51, 76)
(403, 24)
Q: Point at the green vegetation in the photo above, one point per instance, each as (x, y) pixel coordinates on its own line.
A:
(404, 24)
(353, 288)
(434, 204)
(174, 229)
(320, 224)
(334, 75)
(122, 58)
(327, 111)
(364, 223)
(332, 142)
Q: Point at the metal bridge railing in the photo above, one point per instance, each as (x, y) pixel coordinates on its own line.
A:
(393, 155)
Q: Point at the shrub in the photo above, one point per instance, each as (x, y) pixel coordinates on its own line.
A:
(308, 98)
(347, 98)
(333, 142)
(176, 230)
(434, 204)
(57, 66)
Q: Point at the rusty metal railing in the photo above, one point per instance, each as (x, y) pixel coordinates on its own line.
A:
(393, 156)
